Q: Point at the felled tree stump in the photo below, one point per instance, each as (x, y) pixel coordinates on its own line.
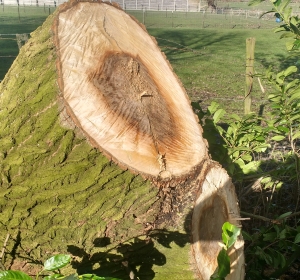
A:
(103, 157)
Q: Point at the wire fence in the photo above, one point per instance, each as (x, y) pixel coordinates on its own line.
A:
(19, 17)
(179, 19)
(16, 24)
(36, 3)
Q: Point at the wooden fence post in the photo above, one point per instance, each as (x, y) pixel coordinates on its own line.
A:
(143, 15)
(250, 45)
(19, 11)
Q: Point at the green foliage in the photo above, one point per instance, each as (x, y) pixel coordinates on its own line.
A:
(285, 105)
(291, 23)
(54, 263)
(284, 120)
(14, 275)
(230, 234)
(223, 264)
(277, 246)
(239, 144)
(236, 143)
(274, 247)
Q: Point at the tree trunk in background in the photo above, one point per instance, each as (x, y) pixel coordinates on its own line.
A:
(103, 158)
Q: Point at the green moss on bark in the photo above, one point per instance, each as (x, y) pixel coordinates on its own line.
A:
(58, 193)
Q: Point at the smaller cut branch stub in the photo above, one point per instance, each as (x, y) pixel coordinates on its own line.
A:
(215, 204)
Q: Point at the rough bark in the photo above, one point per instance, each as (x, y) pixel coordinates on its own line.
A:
(65, 189)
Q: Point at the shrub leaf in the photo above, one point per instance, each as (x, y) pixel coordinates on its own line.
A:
(56, 262)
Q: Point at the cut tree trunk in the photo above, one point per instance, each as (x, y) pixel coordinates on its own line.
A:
(102, 156)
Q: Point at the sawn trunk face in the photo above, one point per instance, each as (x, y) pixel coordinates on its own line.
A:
(119, 88)
(62, 190)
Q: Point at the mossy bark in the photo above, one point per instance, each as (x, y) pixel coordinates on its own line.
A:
(60, 194)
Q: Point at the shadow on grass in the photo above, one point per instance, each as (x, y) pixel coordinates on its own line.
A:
(195, 41)
(132, 260)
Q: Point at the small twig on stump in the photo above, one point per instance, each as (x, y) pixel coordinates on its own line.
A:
(274, 221)
(3, 251)
(260, 217)
(241, 219)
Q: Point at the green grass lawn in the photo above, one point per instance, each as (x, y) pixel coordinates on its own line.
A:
(211, 62)
(10, 24)
(178, 19)
(207, 52)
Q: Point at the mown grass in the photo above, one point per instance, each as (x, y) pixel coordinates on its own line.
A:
(264, 6)
(179, 19)
(211, 63)
(11, 23)
(206, 51)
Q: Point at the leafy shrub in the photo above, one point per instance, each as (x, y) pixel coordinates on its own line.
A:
(247, 148)
(51, 265)
(230, 234)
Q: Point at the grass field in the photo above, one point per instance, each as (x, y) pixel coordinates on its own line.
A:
(169, 19)
(206, 52)
(212, 63)
(11, 24)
